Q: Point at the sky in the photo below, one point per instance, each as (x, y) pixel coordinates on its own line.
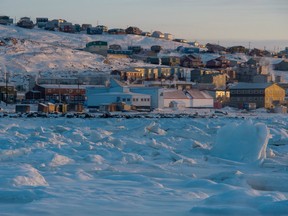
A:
(221, 21)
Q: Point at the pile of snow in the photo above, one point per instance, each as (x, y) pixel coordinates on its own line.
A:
(243, 142)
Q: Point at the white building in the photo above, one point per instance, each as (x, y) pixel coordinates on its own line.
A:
(192, 98)
(168, 36)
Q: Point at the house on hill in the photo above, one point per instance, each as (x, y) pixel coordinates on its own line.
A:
(98, 47)
(41, 22)
(158, 34)
(237, 49)
(94, 31)
(66, 27)
(116, 31)
(282, 66)
(5, 20)
(133, 30)
(220, 62)
(168, 36)
(103, 28)
(215, 48)
(25, 22)
(265, 95)
(8, 93)
(191, 61)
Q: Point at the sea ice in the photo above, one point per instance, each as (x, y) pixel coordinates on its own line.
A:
(242, 142)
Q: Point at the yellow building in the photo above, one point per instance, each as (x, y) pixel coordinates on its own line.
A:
(265, 95)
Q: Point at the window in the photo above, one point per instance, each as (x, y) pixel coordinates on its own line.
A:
(124, 99)
(141, 99)
(148, 99)
(128, 99)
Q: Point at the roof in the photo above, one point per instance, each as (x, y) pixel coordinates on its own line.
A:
(177, 94)
(251, 86)
(120, 93)
(197, 94)
(62, 86)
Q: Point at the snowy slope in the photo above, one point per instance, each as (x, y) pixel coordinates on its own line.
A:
(33, 52)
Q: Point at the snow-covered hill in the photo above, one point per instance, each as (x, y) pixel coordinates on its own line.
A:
(26, 52)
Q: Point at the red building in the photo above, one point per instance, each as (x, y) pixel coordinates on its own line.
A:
(70, 94)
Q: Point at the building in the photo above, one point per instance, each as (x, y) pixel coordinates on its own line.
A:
(168, 36)
(220, 62)
(147, 34)
(70, 94)
(191, 61)
(167, 60)
(180, 40)
(214, 78)
(265, 95)
(133, 30)
(192, 98)
(98, 47)
(215, 48)
(158, 34)
(5, 20)
(117, 31)
(41, 22)
(156, 48)
(115, 47)
(94, 31)
(25, 22)
(262, 78)
(85, 26)
(237, 49)
(102, 27)
(8, 93)
(217, 79)
(66, 27)
(140, 97)
(282, 66)
(135, 49)
(190, 50)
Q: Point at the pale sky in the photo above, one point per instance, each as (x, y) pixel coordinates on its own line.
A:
(217, 20)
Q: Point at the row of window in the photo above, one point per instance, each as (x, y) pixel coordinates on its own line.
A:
(135, 99)
(66, 90)
(56, 97)
(247, 99)
(247, 91)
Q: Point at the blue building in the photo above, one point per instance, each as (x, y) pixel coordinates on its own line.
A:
(115, 92)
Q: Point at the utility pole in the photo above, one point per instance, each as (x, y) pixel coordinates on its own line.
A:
(6, 87)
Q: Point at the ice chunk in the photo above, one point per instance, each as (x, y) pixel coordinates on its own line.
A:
(244, 142)
(155, 128)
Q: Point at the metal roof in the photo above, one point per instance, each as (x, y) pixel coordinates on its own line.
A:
(177, 94)
(197, 94)
(251, 86)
